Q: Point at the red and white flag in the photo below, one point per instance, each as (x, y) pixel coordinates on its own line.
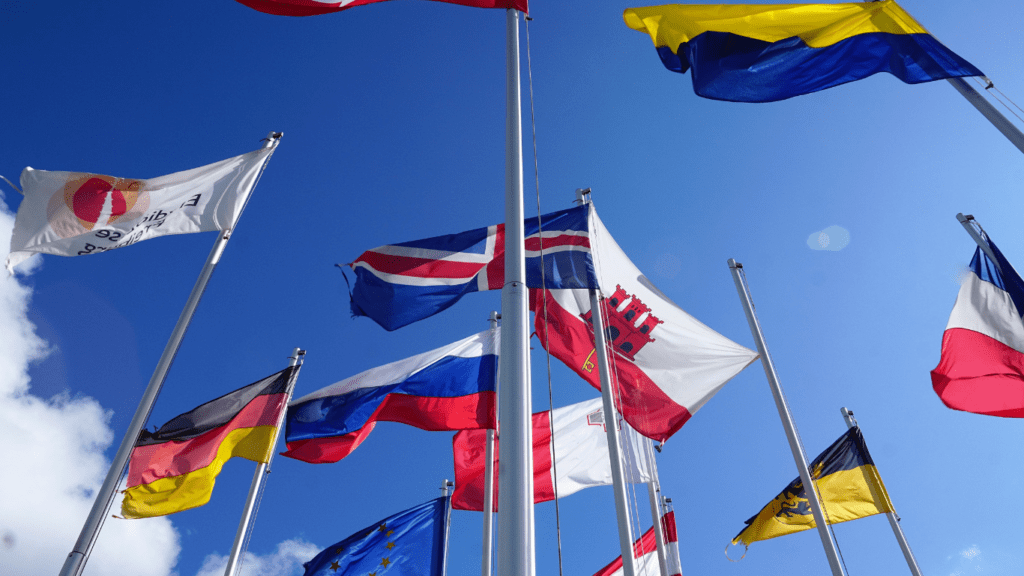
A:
(645, 551)
(579, 449)
(666, 363)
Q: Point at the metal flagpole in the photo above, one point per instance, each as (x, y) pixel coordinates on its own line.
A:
(610, 424)
(976, 235)
(445, 484)
(485, 562)
(515, 500)
(894, 519)
(1012, 133)
(666, 504)
(654, 492)
(79, 555)
(259, 477)
(787, 420)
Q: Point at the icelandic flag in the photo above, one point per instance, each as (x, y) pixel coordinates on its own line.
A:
(399, 284)
(982, 365)
(451, 388)
(410, 543)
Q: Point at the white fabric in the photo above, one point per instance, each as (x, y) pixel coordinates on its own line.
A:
(581, 449)
(985, 308)
(60, 215)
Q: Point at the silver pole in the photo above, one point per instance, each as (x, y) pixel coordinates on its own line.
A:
(79, 555)
(445, 484)
(259, 477)
(486, 559)
(515, 476)
(787, 420)
(894, 519)
(614, 450)
(654, 493)
(674, 548)
(1012, 133)
(966, 221)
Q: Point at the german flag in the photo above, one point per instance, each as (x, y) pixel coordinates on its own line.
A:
(847, 481)
(174, 468)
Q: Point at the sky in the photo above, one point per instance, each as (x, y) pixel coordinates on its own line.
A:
(393, 119)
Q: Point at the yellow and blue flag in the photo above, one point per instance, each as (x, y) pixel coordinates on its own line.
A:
(769, 52)
(848, 484)
(410, 543)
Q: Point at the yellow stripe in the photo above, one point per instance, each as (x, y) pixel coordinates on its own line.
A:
(818, 25)
(847, 495)
(177, 493)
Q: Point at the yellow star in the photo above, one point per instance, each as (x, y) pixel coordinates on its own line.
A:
(382, 527)
(339, 550)
(334, 566)
(390, 545)
(390, 532)
(385, 562)
(373, 574)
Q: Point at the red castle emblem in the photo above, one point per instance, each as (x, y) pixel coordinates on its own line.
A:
(630, 323)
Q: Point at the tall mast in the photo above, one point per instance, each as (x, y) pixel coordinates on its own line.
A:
(79, 555)
(1012, 133)
(787, 420)
(486, 560)
(654, 493)
(515, 499)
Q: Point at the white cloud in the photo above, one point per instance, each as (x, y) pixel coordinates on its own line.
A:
(833, 238)
(52, 450)
(286, 561)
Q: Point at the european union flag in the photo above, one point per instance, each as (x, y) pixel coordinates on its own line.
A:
(410, 543)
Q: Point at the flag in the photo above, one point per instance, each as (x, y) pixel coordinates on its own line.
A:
(769, 52)
(579, 449)
(848, 484)
(410, 543)
(175, 467)
(399, 284)
(317, 7)
(74, 213)
(451, 388)
(981, 369)
(665, 364)
(645, 551)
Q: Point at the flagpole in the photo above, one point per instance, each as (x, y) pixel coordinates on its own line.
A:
(485, 562)
(1012, 133)
(515, 499)
(79, 555)
(654, 493)
(787, 420)
(966, 222)
(259, 477)
(611, 422)
(894, 520)
(666, 504)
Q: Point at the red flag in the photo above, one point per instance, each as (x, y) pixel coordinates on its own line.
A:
(645, 550)
(317, 7)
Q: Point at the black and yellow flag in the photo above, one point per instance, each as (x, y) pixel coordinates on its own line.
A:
(848, 484)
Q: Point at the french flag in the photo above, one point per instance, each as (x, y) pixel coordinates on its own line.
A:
(645, 551)
(399, 284)
(982, 365)
(451, 388)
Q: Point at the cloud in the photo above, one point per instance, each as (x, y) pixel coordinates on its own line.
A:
(53, 455)
(833, 238)
(286, 561)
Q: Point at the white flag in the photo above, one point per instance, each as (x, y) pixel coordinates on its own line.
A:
(75, 213)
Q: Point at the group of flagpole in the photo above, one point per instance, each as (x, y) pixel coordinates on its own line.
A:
(79, 555)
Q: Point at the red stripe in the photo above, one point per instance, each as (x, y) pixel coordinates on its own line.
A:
(643, 404)
(310, 8)
(496, 267)
(155, 461)
(433, 414)
(978, 374)
(646, 544)
(419, 267)
(668, 525)
(533, 242)
(543, 478)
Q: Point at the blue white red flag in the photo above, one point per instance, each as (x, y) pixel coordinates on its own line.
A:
(982, 365)
(451, 388)
(399, 284)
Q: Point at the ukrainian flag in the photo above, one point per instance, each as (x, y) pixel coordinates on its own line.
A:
(769, 52)
(848, 484)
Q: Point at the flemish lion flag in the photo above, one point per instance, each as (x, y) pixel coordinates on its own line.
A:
(174, 468)
(847, 481)
(76, 213)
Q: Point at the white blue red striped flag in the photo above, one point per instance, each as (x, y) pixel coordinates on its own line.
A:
(399, 284)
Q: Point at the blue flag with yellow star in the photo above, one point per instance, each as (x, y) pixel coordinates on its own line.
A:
(410, 543)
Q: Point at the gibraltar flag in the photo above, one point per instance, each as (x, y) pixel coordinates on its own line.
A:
(579, 447)
(74, 213)
(645, 550)
(666, 363)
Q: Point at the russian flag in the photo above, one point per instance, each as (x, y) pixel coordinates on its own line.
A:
(399, 284)
(451, 388)
(982, 365)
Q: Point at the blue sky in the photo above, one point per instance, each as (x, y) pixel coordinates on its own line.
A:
(393, 119)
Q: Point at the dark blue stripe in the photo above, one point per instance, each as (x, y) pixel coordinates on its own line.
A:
(451, 377)
(471, 242)
(735, 68)
(562, 270)
(572, 219)
(1009, 280)
(396, 305)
